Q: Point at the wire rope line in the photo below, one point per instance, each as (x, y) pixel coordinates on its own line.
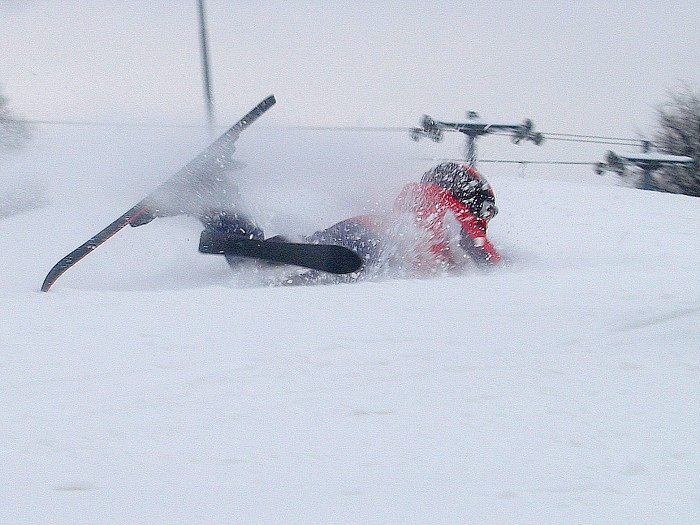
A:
(563, 137)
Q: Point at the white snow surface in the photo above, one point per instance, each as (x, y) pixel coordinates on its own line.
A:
(151, 386)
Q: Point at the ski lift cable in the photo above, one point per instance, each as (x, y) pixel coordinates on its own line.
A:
(565, 137)
(563, 162)
(586, 139)
(109, 124)
(576, 135)
(549, 135)
(508, 161)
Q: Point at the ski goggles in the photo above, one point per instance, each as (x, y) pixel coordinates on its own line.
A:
(487, 210)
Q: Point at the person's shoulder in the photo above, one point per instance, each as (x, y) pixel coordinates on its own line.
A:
(420, 194)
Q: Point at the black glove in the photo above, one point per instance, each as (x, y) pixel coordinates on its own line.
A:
(474, 252)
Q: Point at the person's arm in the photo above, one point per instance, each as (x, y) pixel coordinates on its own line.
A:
(473, 238)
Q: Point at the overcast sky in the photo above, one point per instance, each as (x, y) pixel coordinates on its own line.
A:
(596, 67)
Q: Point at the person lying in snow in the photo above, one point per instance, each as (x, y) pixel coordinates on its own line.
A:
(436, 225)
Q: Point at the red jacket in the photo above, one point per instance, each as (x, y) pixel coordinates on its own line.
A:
(432, 210)
(431, 205)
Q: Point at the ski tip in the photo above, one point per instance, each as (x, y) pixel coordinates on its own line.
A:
(345, 261)
(270, 100)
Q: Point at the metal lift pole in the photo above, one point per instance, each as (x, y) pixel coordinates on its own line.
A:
(208, 99)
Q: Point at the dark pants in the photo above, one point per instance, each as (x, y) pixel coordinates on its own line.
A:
(232, 223)
(354, 235)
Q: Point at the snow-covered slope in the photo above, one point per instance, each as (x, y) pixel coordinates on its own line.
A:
(150, 387)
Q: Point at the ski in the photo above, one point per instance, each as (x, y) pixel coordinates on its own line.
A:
(329, 258)
(193, 189)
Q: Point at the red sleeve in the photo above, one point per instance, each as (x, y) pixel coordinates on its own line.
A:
(474, 227)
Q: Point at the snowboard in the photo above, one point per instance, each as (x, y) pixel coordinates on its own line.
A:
(198, 186)
(329, 258)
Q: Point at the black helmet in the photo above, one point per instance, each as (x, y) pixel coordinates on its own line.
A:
(466, 185)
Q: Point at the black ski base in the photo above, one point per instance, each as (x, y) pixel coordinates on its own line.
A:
(323, 257)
